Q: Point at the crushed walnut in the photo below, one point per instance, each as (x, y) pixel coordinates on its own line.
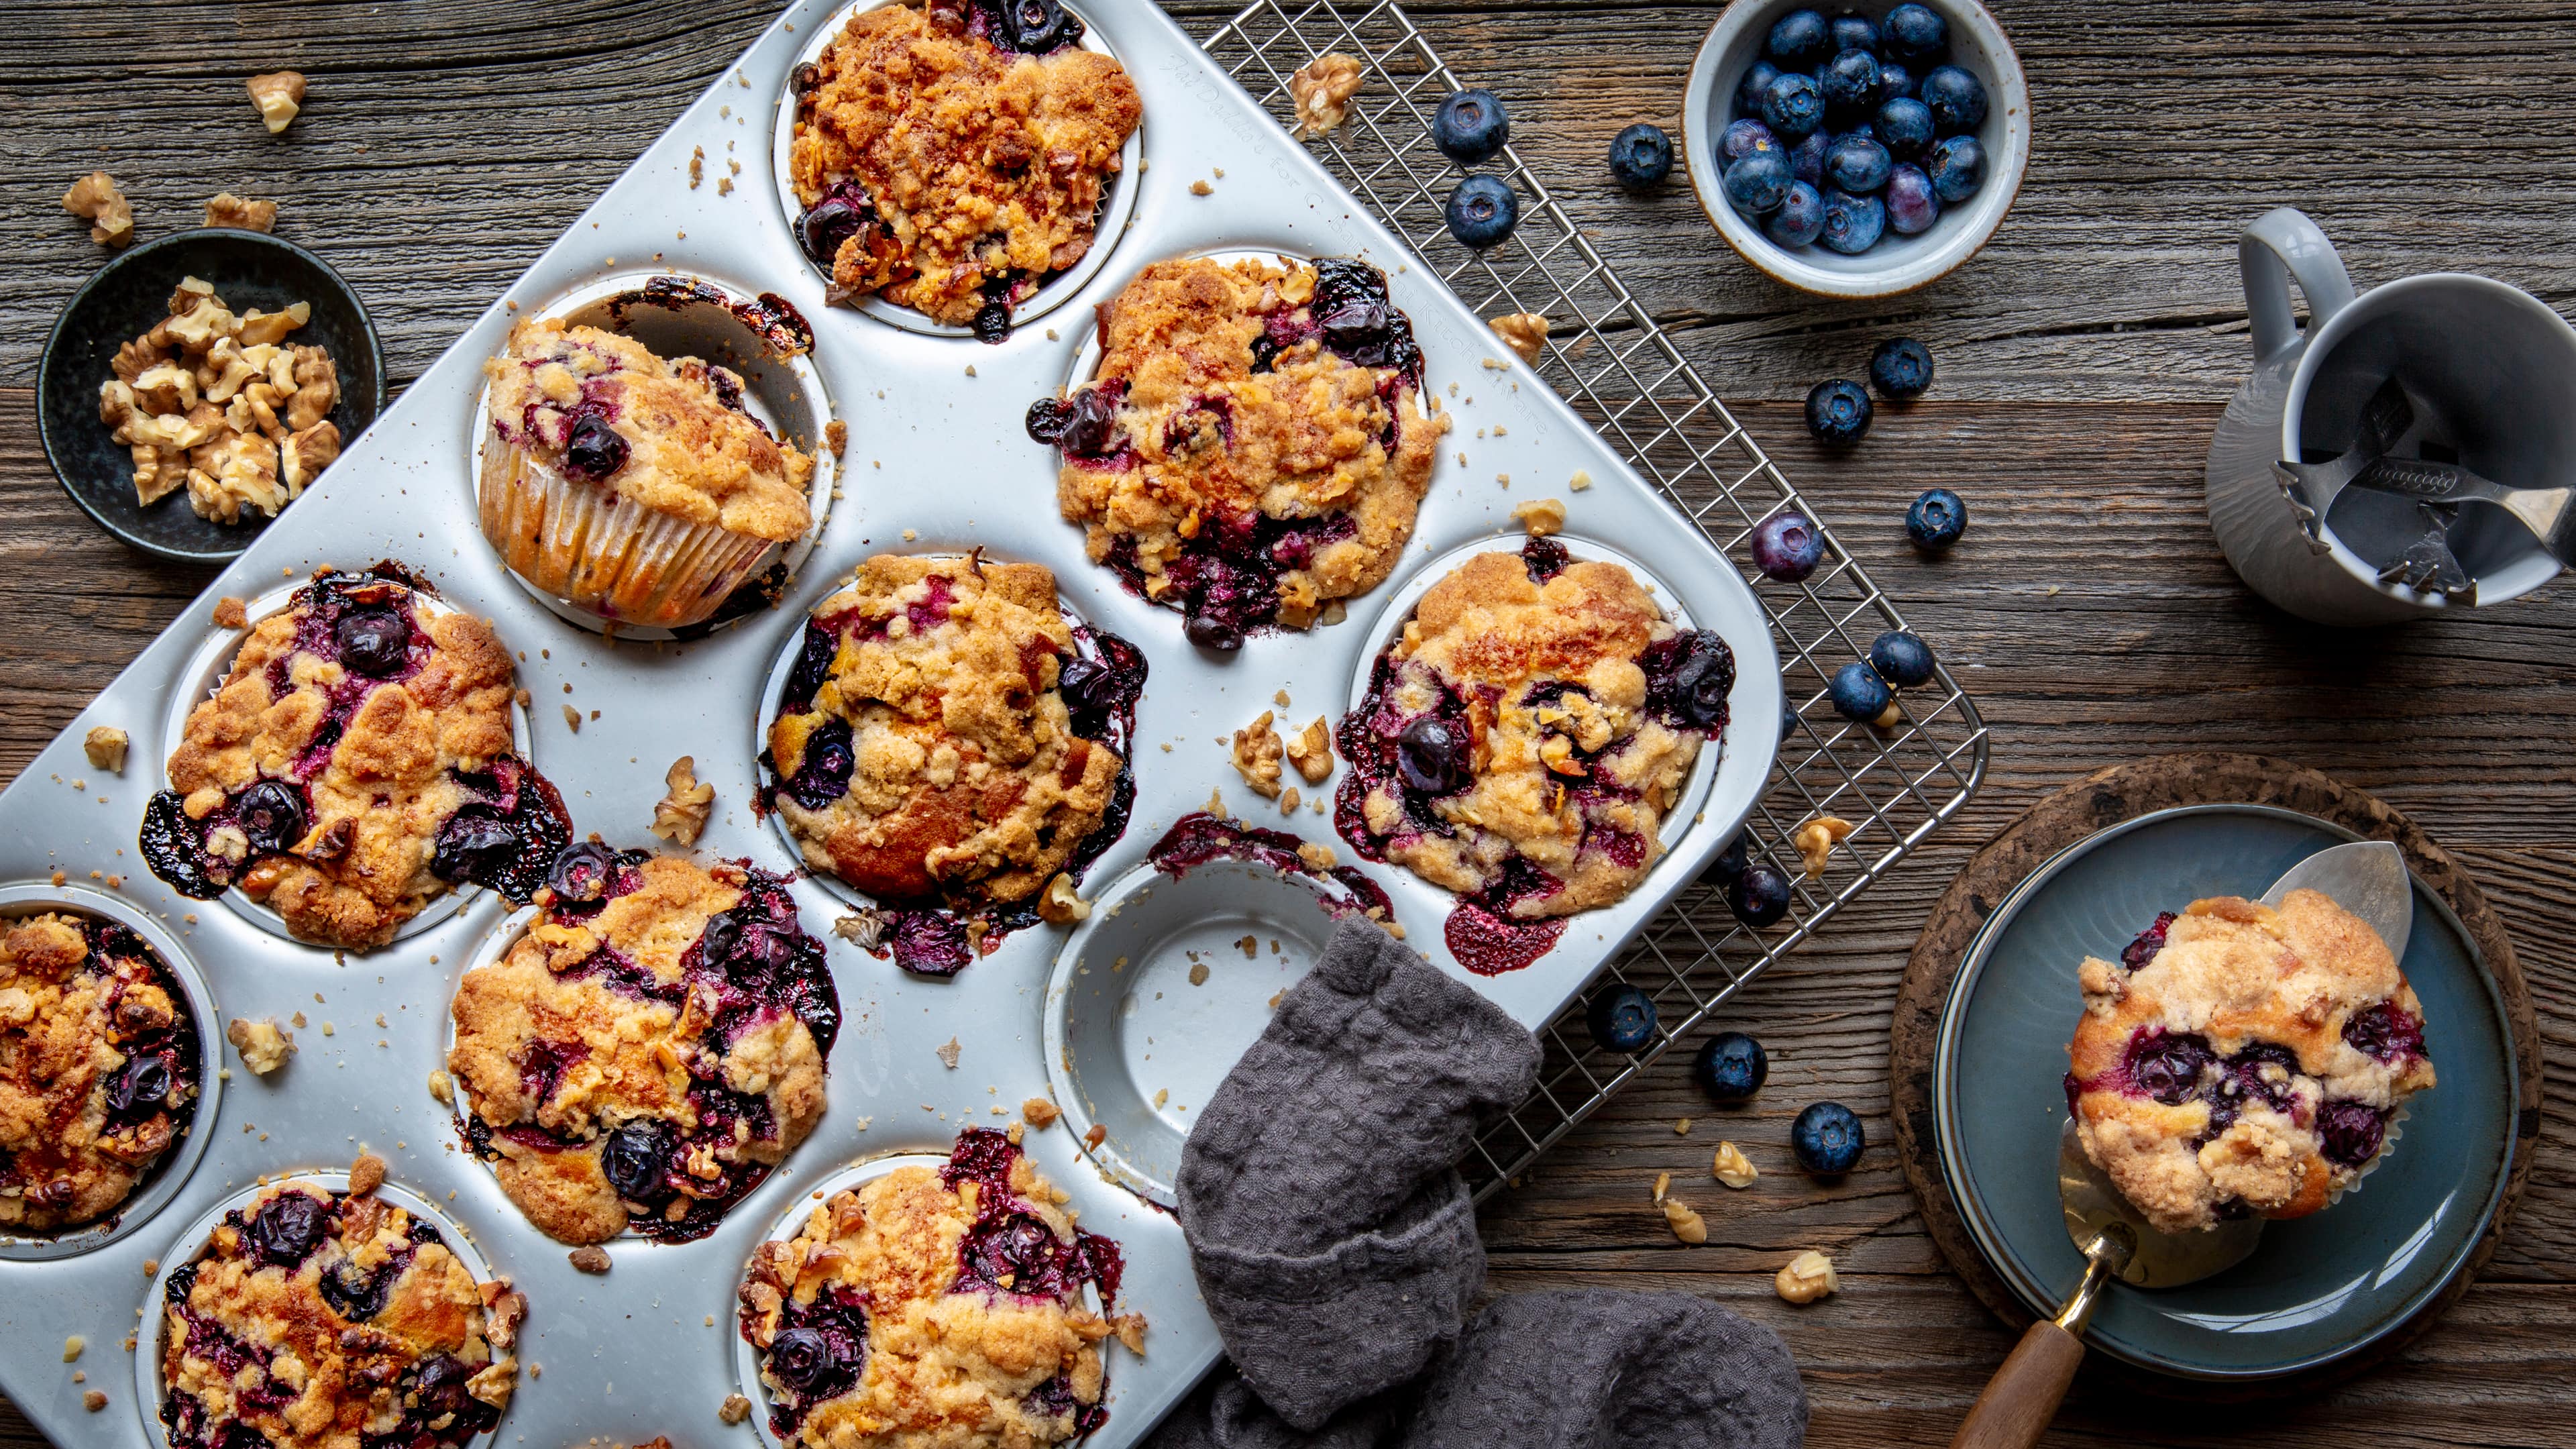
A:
(1038, 1112)
(589, 1258)
(241, 213)
(1806, 1278)
(1541, 517)
(1523, 332)
(948, 1052)
(1688, 1226)
(836, 436)
(1096, 1135)
(1732, 1167)
(1130, 1328)
(1816, 840)
(680, 816)
(221, 404)
(95, 199)
(734, 1409)
(105, 746)
(443, 1087)
(1322, 89)
(279, 95)
(366, 1174)
(1311, 751)
(1257, 752)
(264, 1045)
(1060, 905)
(863, 929)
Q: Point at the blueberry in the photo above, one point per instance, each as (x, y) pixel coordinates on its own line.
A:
(824, 767)
(287, 1230)
(1039, 27)
(1730, 861)
(1748, 92)
(1901, 368)
(1470, 126)
(1792, 106)
(1911, 206)
(1739, 140)
(1854, 32)
(2167, 1065)
(1857, 164)
(141, 1085)
(2385, 1032)
(1758, 897)
(1858, 693)
(1799, 40)
(271, 815)
(593, 450)
(844, 212)
(1957, 166)
(992, 324)
(1800, 219)
(1853, 224)
(1759, 183)
(582, 871)
(800, 1358)
(1730, 1066)
(1894, 80)
(1915, 34)
(1904, 127)
(1209, 631)
(634, 1159)
(1482, 212)
(1621, 1018)
(1807, 161)
(1956, 100)
(1787, 547)
(1431, 756)
(2352, 1132)
(1688, 679)
(1901, 659)
(374, 642)
(1788, 714)
(474, 843)
(1641, 157)
(1850, 82)
(1936, 520)
(1838, 412)
(1827, 1139)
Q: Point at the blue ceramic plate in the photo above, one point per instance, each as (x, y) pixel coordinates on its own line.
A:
(2318, 1288)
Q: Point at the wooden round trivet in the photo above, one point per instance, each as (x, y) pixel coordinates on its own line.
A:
(2106, 799)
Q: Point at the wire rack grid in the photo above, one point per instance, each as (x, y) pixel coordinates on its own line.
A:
(1606, 355)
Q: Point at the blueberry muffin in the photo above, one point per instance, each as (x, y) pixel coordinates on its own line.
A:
(936, 1309)
(354, 765)
(322, 1320)
(2240, 1060)
(98, 1069)
(1522, 739)
(946, 739)
(649, 1049)
(636, 487)
(1253, 446)
(951, 156)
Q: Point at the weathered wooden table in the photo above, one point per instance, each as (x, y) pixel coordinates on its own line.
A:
(2083, 359)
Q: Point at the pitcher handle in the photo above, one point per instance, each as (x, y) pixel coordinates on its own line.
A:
(2283, 244)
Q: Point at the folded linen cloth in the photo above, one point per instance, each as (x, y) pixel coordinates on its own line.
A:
(1336, 1249)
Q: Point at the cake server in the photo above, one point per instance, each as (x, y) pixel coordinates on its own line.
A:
(2367, 878)
(2545, 511)
(2389, 421)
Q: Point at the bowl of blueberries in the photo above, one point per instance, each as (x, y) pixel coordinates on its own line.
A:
(1857, 153)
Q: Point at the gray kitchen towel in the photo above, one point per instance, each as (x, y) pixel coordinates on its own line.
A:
(1334, 1241)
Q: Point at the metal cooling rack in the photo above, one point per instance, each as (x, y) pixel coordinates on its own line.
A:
(1607, 357)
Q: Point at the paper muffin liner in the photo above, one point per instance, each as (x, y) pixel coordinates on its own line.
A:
(597, 549)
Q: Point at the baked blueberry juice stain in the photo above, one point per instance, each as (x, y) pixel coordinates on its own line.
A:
(510, 826)
(1200, 838)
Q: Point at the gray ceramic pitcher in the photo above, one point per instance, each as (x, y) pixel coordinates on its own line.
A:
(2491, 368)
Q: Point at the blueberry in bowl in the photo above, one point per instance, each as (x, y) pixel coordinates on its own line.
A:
(1827, 1139)
(1254, 444)
(1620, 1017)
(1730, 1067)
(1912, 205)
(1793, 106)
(1799, 40)
(1856, 163)
(309, 783)
(1740, 139)
(1853, 224)
(1800, 218)
(1482, 212)
(1760, 183)
(1955, 98)
(1471, 127)
(1642, 156)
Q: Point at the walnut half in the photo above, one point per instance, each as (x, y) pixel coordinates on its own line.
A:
(279, 95)
(1523, 332)
(95, 198)
(264, 1045)
(240, 213)
(1311, 751)
(1257, 752)
(680, 816)
(105, 745)
(1322, 90)
(1806, 1278)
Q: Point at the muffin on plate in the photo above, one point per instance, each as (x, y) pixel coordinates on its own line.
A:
(355, 764)
(1253, 447)
(948, 740)
(315, 1319)
(638, 488)
(650, 1047)
(951, 156)
(1522, 739)
(937, 1307)
(98, 1068)
(2240, 1060)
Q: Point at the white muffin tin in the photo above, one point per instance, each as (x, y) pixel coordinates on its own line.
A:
(936, 461)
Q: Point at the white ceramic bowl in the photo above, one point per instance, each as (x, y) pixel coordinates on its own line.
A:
(1898, 263)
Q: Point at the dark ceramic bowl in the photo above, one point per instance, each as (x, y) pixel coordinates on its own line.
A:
(121, 302)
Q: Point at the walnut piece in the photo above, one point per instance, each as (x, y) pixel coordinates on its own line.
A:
(1322, 89)
(442, 1087)
(1257, 752)
(590, 1258)
(493, 1383)
(264, 1045)
(836, 436)
(94, 198)
(240, 213)
(1130, 1328)
(366, 1174)
(105, 746)
(1541, 517)
(72, 1347)
(734, 1409)
(1732, 1167)
(1523, 332)
(680, 816)
(279, 95)
(219, 404)
(1038, 1112)
(863, 929)
(1311, 751)
(1688, 1226)
(1806, 1278)
(1061, 906)
(948, 1052)
(1816, 840)
(93, 1400)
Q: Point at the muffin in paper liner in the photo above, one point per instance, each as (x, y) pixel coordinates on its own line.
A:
(604, 552)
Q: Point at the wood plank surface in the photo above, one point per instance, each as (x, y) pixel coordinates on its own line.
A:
(2084, 358)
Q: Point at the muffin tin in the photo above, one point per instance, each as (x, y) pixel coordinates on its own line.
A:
(936, 461)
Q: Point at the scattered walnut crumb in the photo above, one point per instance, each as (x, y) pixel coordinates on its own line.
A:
(1732, 1167)
(442, 1088)
(1198, 973)
(589, 1258)
(1688, 1226)
(572, 719)
(1061, 905)
(1311, 751)
(1816, 840)
(264, 1045)
(1806, 1278)
(1523, 332)
(697, 166)
(1888, 717)
(1257, 752)
(1097, 1135)
(680, 816)
(1317, 856)
(1039, 1112)
(93, 1400)
(1580, 481)
(1016, 1133)
(836, 436)
(230, 613)
(366, 1174)
(1130, 1328)
(948, 1053)
(1201, 188)
(863, 929)
(1322, 89)
(95, 199)
(1161, 1095)
(105, 746)
(241, 213)
(72, 1347)
(279, 95)
(734, 1409)
(1289, 800)
(1663, 1181)
(494, 1382)
(1682, 1128)
(1541, 517)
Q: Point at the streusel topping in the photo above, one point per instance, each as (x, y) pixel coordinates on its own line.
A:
(98, 1068)
(1254, 444)
(950, 160)
(649, 1049)
(600, 407)
(2243, 1060)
